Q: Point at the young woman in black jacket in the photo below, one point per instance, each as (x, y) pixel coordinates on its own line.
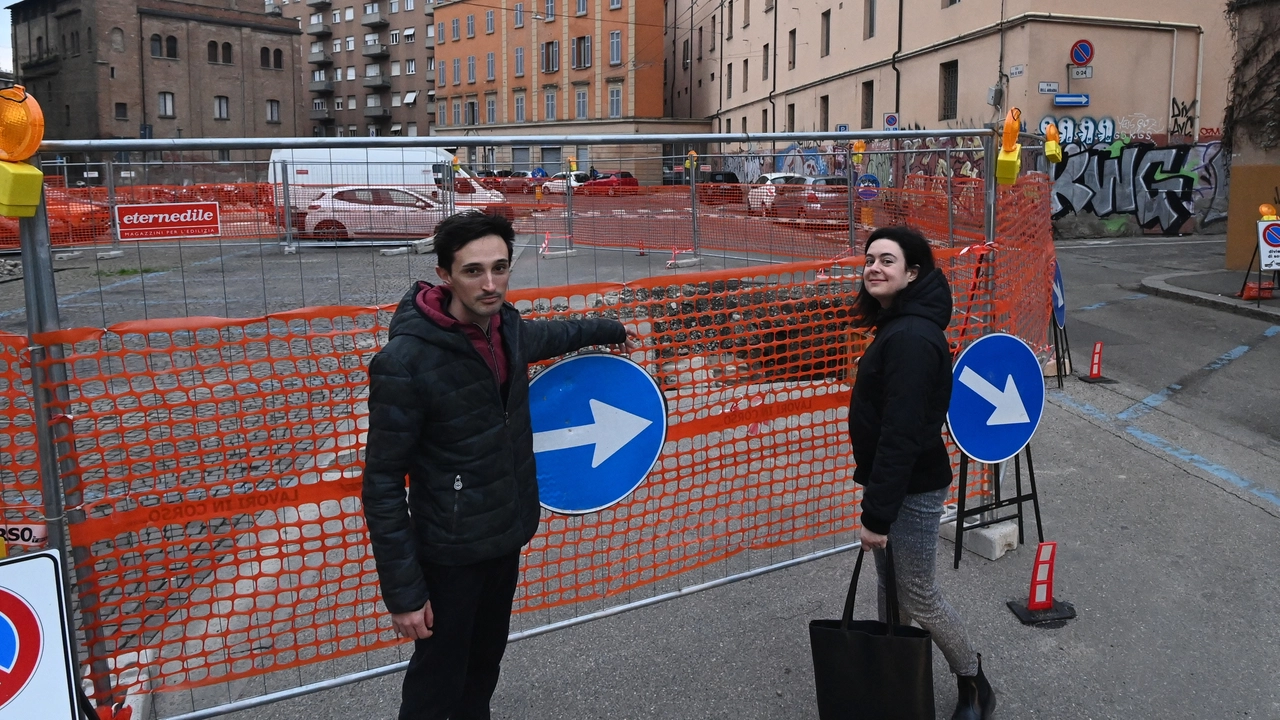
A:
(899, 403)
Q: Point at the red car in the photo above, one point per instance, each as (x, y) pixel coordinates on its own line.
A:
(611, 182)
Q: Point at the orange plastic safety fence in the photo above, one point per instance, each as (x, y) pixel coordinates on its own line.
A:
(20, 490)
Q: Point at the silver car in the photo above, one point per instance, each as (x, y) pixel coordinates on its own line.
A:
(372, 212)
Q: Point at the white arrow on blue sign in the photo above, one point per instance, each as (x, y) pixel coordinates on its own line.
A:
(1071, 100)
(599, 423)
(1059, 297)
(997, 398)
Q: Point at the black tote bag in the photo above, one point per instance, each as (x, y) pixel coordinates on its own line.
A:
(869, 670)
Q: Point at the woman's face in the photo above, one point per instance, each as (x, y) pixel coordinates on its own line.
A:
(886, 273)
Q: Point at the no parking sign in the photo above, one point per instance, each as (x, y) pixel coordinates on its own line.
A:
(36, 679)
(1269, 244)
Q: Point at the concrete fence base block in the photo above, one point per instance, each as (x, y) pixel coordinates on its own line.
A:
(684, 262)
(290, 249)
(991, 542)
(424, 246)
(68, 255)
(110, 254)
(394, 251)
(559, 253)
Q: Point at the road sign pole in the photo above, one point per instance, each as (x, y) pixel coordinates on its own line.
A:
(693, 204)
(951, 233)
(852, 174)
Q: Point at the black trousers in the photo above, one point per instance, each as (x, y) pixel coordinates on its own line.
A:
(453, 673)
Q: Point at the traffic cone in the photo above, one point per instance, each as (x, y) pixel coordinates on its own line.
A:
(1095, 367)
(1040, 605)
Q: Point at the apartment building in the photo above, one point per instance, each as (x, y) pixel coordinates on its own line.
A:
(552, 67)
(158, 68)
(1156, 71)
(371, 65)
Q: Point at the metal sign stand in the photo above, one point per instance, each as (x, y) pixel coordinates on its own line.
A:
(1275, 276)
(997, 503)
(1061, 350)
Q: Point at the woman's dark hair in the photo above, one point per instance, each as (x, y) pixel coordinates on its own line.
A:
(916, 253)
(456, 231)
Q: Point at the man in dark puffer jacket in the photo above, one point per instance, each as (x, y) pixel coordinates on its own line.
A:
(449, 408)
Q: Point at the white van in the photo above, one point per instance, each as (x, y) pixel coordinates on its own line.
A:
(311, 171)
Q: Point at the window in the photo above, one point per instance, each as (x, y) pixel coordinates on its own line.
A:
(684, 53)
(171, 47)
(411, 97)
(519, 15)
(337, 103)
(471, 26)
(615, 4)
(868, 19)
(393, 39)
(766, 61)
(350, 14)
(456, 26)
(791, 117)
(221, 107)
(488, 22)
(373, 100)
(337, 44)
(316, 47)
(351, 42)
(746, 13)
(122, 111)
(410, 67)
(745, 75)
(824, 41)
(615, 47)
(157, 46)
(165, 109)
(471, 68)
(580, 104)
(519, 62)
(948, 89)
(319, 104)
(712, 48)
(370, 8)
(615, 101)
(491, 110)
(457, 71)
(409, 34)
(395, 68)
(868, 104)
(351, 72)
(273, 111)
(551, 56)
(318, 76)
(489, 67)
(728, 26)
(550, 13)
(439, 33)
(395, 99)
(520, 107)
(394, 6)
(337, 16)
(442, 110)
(213, 51)
(791, 50)
(699, 42)
(226, 53)
(824, 107)
(278, 59)
(408, 4)
(117, 40)
(457, 112)
(580, 50)
(351, 102)
(370, 39)
(440, 74)
(728, 81)
(412, 130)
(549, 104)
(372, 70)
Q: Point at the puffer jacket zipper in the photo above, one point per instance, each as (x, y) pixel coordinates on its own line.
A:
(488, 338)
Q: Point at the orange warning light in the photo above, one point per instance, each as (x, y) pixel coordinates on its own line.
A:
(1012, 126)
(21, 124)
(1267, 211)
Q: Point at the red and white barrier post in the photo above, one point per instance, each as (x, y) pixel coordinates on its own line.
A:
(1095, 366)
(1040, 605)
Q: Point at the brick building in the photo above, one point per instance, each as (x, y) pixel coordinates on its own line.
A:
(370, 65)
(158, 68)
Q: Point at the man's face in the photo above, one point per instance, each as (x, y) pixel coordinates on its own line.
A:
(479, 277)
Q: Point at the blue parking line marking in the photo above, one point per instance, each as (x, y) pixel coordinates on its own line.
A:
(1219, 471)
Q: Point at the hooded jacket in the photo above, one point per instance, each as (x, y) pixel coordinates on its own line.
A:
(900, 400)
(438, 414)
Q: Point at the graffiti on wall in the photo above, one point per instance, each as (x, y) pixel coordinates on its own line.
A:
(1182, 118)
(814, 160)
(1162, 187)
(1085, 131)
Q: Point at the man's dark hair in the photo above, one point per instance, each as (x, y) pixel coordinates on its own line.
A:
(456, 231)
(916, 253)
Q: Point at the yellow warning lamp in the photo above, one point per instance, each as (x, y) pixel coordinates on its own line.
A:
(1268, 212)
(573, 164)
(21, 131)
(1009, 161)
(859, 147)
(1052, 148)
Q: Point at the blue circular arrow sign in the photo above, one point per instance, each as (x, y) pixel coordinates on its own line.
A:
(997, 398)
(1059, 297)
(868, 187)
(599, 424)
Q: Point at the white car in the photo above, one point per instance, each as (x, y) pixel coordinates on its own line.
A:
(556, 185)
(764, 188)
(372, 212)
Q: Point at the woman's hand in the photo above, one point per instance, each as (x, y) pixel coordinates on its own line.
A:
(873, 540)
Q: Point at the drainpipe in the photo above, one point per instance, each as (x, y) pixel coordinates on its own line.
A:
(773, 107)
(693, 60)
(1199, 81)
(897, 81)
(1173, 74)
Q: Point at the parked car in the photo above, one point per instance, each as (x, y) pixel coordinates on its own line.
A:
(612, 182)
(818, 198)
(760, 197)
(556, 185)
(721, 187)
(520, 181)
(372, 212)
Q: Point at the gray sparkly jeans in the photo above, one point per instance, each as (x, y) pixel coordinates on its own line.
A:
(914, 536)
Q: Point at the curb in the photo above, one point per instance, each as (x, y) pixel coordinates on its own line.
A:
(1158, 285)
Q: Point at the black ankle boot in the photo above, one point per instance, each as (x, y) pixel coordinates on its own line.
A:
(977, 699)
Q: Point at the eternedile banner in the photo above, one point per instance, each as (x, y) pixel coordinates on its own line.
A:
(167, 220)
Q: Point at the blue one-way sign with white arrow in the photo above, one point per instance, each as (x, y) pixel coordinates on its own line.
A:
(599, 423)
(1059, 297)
(997, 398)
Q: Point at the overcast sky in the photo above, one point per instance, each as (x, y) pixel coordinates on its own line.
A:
(6, 42)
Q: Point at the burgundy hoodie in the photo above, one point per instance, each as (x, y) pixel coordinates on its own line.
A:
(433, 302)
